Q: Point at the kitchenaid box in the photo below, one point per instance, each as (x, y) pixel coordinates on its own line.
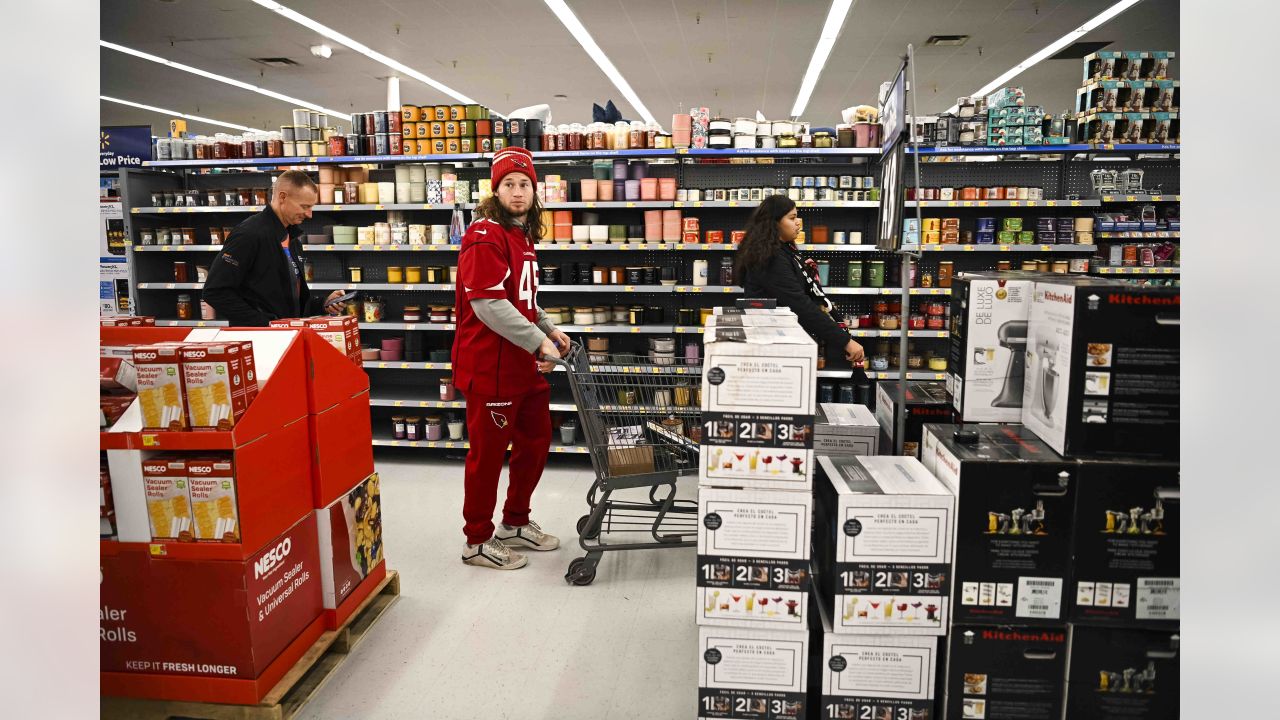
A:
(883, 542)
(926, 403)
(1006, 672)
(752, 673)
(1015, 499)
(1126, 568)
(753, 557)
(1122, 673)
(988, 346)
(845, 429)
(1102, 368)
(350, 533)
(875, 676)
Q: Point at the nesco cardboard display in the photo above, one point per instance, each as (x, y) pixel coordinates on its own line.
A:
(1006, 672)
(753, 558)
(875, 676)
(988, 346)
(1121, 673)
(1102, 368)
(350, 532)
(843, 429)
(883, 545)
(751, 672)
(1015, 505)
(220, 618)
(926, 403)
(1127, 523)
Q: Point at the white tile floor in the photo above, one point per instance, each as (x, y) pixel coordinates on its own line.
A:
(465, 642)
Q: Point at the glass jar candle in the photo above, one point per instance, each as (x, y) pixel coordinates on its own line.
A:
(355, 274)
(185, 309)
(412, 428)
(448, 393)
(397, 427)
(412, 313)
(395, 274)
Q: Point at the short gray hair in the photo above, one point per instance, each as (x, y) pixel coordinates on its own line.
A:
(296, 179)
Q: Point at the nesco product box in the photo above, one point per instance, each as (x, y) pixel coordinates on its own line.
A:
(1122, 673)
(883, 543)
(350, 536)
(1102, 368)
(1015, 502)
(926, 403)
(752, 672)
(769, 370)
(753, 557)
(988, 346)
(844, 429)
(749, 450)
(1006, 672)
(1126, 567)
(875, 676)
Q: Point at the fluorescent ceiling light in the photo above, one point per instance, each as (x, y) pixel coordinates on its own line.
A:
(1052, 48)
(224, 79)
(175, 113)
(574, 26)
(826, 40)
(365, 50)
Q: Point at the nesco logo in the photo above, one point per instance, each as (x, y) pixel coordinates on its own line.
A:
(196, 354)
(273, 557)
(157, 469)
(145, 356)
(200, 469)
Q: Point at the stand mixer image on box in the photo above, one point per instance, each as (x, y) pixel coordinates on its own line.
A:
(1013, 337)
(1046, 382)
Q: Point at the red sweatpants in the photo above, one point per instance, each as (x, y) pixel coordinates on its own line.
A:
(524, 422)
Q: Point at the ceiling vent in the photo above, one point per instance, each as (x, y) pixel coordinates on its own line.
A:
(1076, 51)
(947, 40)
(276, 62)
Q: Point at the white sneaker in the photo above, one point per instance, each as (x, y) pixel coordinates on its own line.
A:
(493, 554)
(530, 536)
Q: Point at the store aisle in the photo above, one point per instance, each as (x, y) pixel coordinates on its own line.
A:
(463, 642)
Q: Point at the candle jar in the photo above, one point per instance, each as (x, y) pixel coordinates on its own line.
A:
(181, 272)
(448, 393)
(395, 274)
(373, 309)
(397, 427)
(413, 428)
(355, 274)
(184, 308)
(413, 274)
(915, 321)
(432, 428)
(455, 427)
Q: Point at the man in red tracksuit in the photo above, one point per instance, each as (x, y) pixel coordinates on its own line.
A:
(500, 336)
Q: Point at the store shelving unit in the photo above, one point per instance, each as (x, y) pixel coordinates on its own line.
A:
(693, 168)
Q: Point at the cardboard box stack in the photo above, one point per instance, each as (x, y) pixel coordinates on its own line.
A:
(187, 386)
(1067, 524)
(883, 547)
(926, 403)
(755, 501)
(1128, 96)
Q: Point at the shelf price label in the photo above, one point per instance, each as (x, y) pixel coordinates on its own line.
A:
(398, 403)
(631, 204)
(983, 203)
(379, 207)
(1075, 203)
(150, 440)
(629, 288)
(1004, 248)
(1014, 203)
(1157, 198)
(1130, 198)
(411, 326)
(625, 246)
(733, 203)
(635, 330)
(730, 289)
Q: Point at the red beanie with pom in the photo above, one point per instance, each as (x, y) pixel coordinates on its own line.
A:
(509, 160)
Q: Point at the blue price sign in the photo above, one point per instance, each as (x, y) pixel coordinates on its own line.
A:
(123, 146)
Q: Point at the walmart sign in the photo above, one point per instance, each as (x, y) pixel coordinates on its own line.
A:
(123, 146)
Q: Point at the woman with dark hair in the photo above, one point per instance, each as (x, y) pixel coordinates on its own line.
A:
(769, 266)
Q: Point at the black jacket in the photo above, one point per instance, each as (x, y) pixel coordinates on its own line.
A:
(781, 280)
(250, 282)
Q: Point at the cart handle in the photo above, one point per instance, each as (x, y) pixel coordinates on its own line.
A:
(563, 361)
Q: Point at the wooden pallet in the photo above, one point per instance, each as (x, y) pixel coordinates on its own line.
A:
(294, 690)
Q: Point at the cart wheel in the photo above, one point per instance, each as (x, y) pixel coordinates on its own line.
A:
(580, 572)
(582, 524)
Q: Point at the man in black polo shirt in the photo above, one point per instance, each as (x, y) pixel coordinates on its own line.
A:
(258, 275)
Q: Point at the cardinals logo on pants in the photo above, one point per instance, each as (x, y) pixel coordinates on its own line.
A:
(499, 419)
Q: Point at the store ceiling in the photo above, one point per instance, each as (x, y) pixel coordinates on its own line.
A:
(733, 57)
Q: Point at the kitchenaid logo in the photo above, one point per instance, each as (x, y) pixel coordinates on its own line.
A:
(1118, 299)
(948, 461)
(273, 557)
(1014, 636)
(1052, 296)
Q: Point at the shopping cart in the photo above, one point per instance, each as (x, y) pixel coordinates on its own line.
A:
(641, 420)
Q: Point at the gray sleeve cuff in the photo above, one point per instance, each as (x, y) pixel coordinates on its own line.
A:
(503, 318)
